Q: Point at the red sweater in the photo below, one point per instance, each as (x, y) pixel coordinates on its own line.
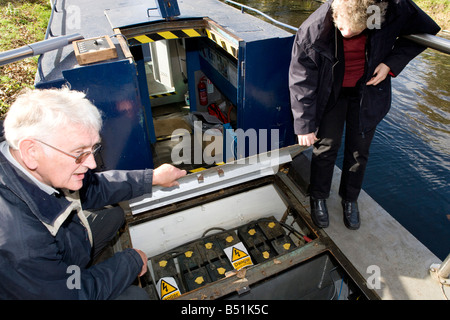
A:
(354, 53)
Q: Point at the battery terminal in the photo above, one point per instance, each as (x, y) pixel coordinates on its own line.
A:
(229, 239)
(208, 245)
(199, 280)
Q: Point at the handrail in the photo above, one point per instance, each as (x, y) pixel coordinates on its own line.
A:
(428, 40)
(433, 42)
(37, 48)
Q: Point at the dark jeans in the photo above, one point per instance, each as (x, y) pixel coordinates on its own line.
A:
(325, 151)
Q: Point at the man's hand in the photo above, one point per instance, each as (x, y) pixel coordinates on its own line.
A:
(144, 260)
(166, 175)
(380, 73)
(307, 139)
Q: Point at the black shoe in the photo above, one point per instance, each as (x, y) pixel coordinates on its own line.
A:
(319, 212)
(351, 214)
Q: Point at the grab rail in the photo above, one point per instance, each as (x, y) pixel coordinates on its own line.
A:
(433, 42)
(37, 48)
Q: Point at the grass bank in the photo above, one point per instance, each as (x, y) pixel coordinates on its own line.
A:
(21, 22)
(439, 10)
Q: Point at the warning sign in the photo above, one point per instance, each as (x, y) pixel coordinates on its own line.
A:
(238, 256)
(167, 288)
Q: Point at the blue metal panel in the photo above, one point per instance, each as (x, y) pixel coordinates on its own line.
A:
(266, 103)
(147, 108)
(192, 64)
(168, 8)
(113, 88)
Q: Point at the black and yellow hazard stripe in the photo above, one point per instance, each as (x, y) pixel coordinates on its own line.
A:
(167, 94)
(229, 44)
(166, 35)
(200, 169)
(226, 44)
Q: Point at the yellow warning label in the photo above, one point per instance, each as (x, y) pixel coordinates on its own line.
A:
(239, 264)
(238, 254)
(174, 295)
(168, 291)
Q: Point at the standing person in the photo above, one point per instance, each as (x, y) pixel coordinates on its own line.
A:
(343, 58)
(46, 186)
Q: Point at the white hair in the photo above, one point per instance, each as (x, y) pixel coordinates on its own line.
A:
(42, 113)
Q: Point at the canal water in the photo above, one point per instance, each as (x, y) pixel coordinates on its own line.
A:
(409, 168)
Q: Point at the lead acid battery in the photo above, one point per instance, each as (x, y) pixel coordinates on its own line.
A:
(251, 208)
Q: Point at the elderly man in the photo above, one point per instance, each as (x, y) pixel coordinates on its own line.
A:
(45, 184)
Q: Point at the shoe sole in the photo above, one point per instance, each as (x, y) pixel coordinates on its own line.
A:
(351, 227)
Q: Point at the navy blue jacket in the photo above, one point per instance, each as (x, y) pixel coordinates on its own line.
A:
(317, 65)
(34, 263)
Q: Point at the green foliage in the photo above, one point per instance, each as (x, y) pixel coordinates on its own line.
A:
(21, 23)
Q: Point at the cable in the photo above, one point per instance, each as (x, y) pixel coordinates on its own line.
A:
(214, 228)
(119, 34)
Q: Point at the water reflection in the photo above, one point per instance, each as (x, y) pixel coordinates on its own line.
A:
(292, 12)
(423, 97)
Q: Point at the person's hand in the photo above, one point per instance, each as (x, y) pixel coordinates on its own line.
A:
(166, 175)
(144, 260)
(380, 73)
(307, 139)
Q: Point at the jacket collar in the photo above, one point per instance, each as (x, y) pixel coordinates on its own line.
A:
(47, 208)
(325, 34)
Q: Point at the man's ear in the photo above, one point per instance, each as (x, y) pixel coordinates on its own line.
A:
(30, 152)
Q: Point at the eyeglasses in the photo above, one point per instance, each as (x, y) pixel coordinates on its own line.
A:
(81, 157)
